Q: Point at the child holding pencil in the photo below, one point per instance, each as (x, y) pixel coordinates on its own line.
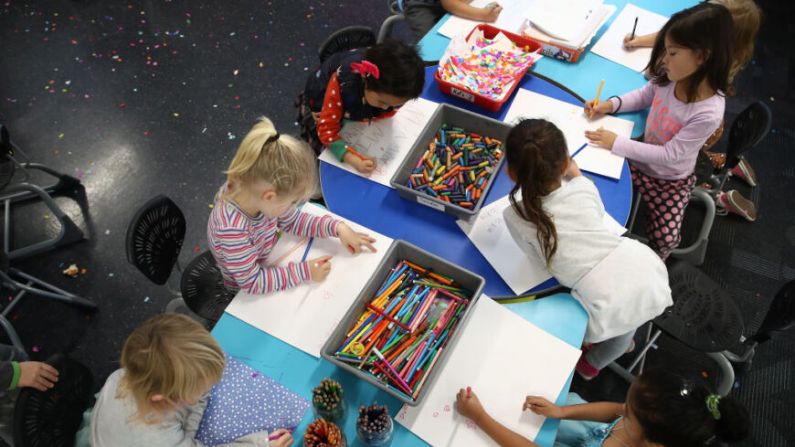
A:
(359, 85)
(556, 215)
(662, 409)
(422, 15)
(686, 98)
(269, 176)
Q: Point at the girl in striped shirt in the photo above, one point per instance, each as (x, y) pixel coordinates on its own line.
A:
(268, 178)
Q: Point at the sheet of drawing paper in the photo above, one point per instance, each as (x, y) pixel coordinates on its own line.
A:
(611, 45)
(504, 358)
(571, 120)
(306, 315)
(388, 141)
(510, 19)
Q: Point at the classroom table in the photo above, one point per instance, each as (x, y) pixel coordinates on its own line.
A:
(381, 209)
(560, 315)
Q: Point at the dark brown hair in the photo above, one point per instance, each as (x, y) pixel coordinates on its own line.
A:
(536, 154)
(402, 71)
(708, 28)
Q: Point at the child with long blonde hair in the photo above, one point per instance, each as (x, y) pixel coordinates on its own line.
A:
(269, 177)
(158, 397)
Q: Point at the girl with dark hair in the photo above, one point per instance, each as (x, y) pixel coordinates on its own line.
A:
(556, 215)
(362, 84)
(662, 409)
(690, 63)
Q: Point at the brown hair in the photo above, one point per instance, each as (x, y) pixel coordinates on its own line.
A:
(170, 355)
(536, 154)
(747, 17)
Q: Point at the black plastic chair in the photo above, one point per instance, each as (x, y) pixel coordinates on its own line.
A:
(203, 288)
(345, 39)
(395, 16)
(154, 238)
(51, 418)
(703, 317)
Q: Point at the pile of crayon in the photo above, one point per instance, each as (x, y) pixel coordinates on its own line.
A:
(489, 69)
(327, 399)
(374, 426)
(322, 433)
(405, 327)
(456, 167)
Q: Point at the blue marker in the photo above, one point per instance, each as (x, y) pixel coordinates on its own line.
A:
(579, 150)
(308, 246)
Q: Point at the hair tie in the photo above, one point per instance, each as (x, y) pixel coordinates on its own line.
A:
(272, 138)
(713, 400)
(366, 68)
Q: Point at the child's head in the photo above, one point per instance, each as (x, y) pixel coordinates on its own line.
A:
(695, 45)
(674, 412)
(169, 362)
(746, 17)
(400, 77)
(276, 171)
(537, 156)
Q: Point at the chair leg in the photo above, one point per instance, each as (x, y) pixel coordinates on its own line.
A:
(627, 373)
(727, 372)
(52, 292)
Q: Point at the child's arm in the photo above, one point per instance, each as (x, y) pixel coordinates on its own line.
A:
(629, 102)
(644, 41)
(305, 224)
(596, 411)
(469, 406)
(687, 141)
(462, 8)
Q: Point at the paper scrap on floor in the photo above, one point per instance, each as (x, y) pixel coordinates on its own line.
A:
(611, 45)
(504, 358)
(521, 271)
(571, 120)
(388, 141)
(510, 19)
(306, 315)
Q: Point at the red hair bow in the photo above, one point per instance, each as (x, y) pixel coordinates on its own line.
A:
(366, 68)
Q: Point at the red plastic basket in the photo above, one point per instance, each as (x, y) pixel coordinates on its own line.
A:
(464, 93)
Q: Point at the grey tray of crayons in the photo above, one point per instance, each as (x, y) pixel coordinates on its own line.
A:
(454, 117)
(398, 251)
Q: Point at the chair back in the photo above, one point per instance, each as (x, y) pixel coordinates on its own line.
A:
(154, 238)
(51, 418)
(780, 316)
(202, 288)
(748, 129)
(395, 6)
(345, 39)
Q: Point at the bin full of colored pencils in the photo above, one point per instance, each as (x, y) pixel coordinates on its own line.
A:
(405, 322)
(454, 162)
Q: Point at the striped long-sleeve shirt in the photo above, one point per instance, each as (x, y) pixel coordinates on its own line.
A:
(241, 245)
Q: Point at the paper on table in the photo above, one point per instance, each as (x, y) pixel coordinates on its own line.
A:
(388, 141)
(510, 19)
(521, 271)
(500, 355)
(571, 120)
(611, 45)
(306, 315)
(563, 19)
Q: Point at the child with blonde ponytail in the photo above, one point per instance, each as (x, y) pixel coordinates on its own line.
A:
(269, 177)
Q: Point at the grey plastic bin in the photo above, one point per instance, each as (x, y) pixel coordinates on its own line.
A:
(402, 250)
(455, 117)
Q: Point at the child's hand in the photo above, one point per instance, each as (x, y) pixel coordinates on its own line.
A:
(632, 43)
(469, 405)
(601, 137)
(603, 108)
(40, 376)
(285, 439)
(354, 241)
(491, 12)
(319, 268)
(539, 405)
(572, 170)
(364, 165)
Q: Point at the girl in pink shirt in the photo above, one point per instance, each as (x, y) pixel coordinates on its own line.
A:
(691, 60)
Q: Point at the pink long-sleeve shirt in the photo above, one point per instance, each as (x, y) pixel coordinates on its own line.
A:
(675, 131)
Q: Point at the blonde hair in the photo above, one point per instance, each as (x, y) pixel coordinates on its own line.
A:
(170, 355)
(746, 17)
(283, 161)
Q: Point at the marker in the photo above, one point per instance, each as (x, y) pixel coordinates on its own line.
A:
(634, 27)
(355, 153)
(579, 150)
(308, 246)
(469, 391)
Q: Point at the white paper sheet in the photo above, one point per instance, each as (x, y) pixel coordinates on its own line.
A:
(521, 271)
(564, 19)
(589, 29)
(306, 315)
(571, 120)
(388, 141)
(510, 19)
(611, 45)
(499, 355)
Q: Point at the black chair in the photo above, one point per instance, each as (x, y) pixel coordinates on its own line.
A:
(154, 241)
(703, 317)
(345, 39)
(51, 418)
(395, 16)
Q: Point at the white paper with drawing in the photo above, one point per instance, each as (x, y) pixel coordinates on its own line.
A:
(514, 13)
(571, 120)
(611, 45)
(520, 270)
(305, 316)
(387, 140)
(504, 358)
